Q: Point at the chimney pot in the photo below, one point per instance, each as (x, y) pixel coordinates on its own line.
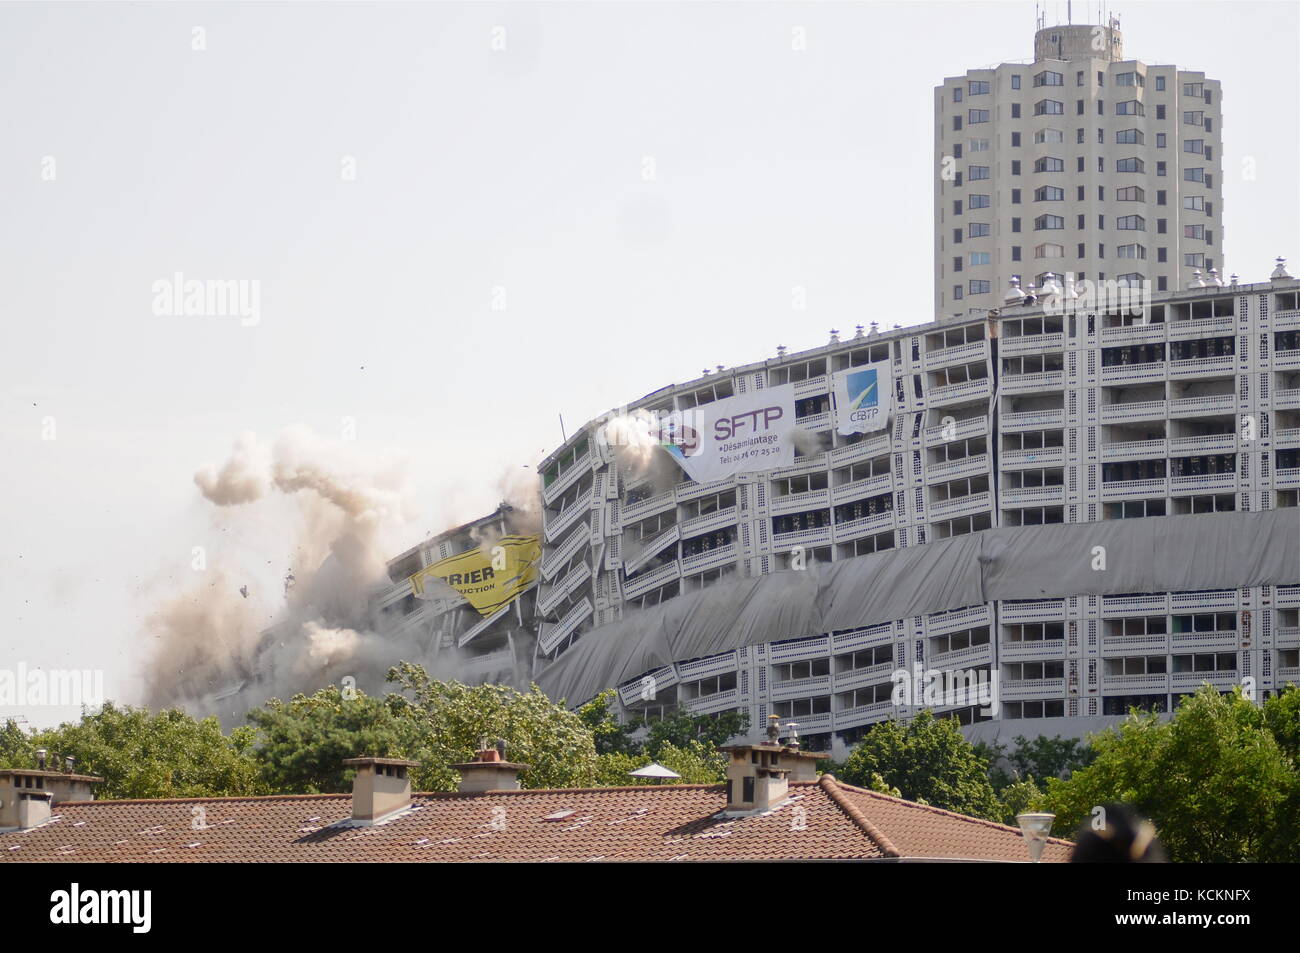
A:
(40, 758)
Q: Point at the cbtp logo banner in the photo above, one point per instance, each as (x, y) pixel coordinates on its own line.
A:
(864, 397)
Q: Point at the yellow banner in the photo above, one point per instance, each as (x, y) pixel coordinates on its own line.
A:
(488, 578)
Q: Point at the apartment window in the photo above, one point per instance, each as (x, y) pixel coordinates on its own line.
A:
(1160, 112)
(1194, 202)
(1015, 110)
(1160, 226)
(1078, 136)
(1193, 89)
(956, 207)
(1015, 166)
(1015, 81)
(1080, 224)
(956, 95)
(1130, 165)
(1130, 193)
(1101, 107)
(1078, 78)
(1160, 169)
(1049, 164)
(1160, 140)
(978, 286)
(1193, 175)
(1048, 107)
(1049, 193)
(1015, 252)
(1015, 140)
(977, 230)
(977, 172)
(1015, 196)
(979, 258)
(1194, 231)
(1160, 84)
(1194, 145)
(957, 292)
(1048, 78)
(1209, 98)
(1209, 153)
(1209, 210)
(1078, 107)
(1132, 251)
(1130, 79)
(1162, 283)
(1131, 223)
(1078, 163)
(974, 116)
(1081, 251)
(1015, 224)
(1194, 118)
(977, 87)
(1078, 193)
(1101, 137)
(1209, 125)
(1130, 107)
(956, 123)
(956, 263)
(1049, 135)
(978, 201)
(1161, 196)
(1129, 137)
(1049, 250)
(1044, 222)
(1101, 78)
(1194, 260)
(956, 150)
(1162, 255)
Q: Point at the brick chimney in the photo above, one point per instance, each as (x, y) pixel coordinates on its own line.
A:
(759, 776)
(380, 789)
(489, 771)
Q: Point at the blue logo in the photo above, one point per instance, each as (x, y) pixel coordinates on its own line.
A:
(863, 392)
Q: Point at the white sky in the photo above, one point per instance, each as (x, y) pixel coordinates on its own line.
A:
(476, 169)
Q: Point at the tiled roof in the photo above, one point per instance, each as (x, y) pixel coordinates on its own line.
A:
(824, 819)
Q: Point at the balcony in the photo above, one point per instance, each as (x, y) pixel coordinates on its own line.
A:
(712, 704)
(709, 559)
(661, 575)
(1031, 344)
(642, 509)
(1191, 681)
(798, 502)
(1032, 383)
(1290, 437)
(1286, 637)
(862, 715)
(550, 596)
(1203, 601)
(560, 555)
(1202, 328)
(799, 688)
(814, 422)
(566, 479)
(817, 536)
(551, 636)
(1287, 399)
(1134, 334)
(812, 724)
(1032, 650)
(1154, 604)
(956, 393)
(1286, 479)
(1133, 373)
(865, 526)
(1134, 450)
(689, 490)
(1287, 675)
(556, 523)
(1210, 443)
(959, 506)
(862, 677)
(1216, 366)
(1138, 410)
(974, 465)
(1203, 406)
(960, 354)
(1135, 684)
(1152, 644)
(868, 637)
(1227, 640)
(799, 650)
(650, 549)
(1037, 457)
(862, 489)
(1033, 495)
(647, 687)
(1203, 483)
(1286, 320)
(1035, 419)
(492, 663)
(1286, 360)
(962, 658)
(962, 429)
(866, 448)
(1134, 489)
(812, 387)
(718, 519)
(1034, 610)
(1032, 688)
(699, 668)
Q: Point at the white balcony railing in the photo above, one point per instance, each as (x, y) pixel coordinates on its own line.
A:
(1031, 344)
(1033, 419)
(1134, 489)
(1138, 410)
(1033, 495)
(798, 502)
(1133, 373)
(1197, 406)
(1036, 457)
(1028, 383)
(709, 559)
(959, 506)
(863, 489)
(1134, 450)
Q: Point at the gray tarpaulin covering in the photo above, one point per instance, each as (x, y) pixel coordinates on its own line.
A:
(1159, 554)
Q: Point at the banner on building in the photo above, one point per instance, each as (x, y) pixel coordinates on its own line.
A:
(737, 434)
(489, 577)
(864, 397)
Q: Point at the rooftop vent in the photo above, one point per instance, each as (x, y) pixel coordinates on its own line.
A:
(1279, 273)
(381, 787)
(759, 776)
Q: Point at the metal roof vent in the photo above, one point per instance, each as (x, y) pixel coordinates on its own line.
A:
(1279, 273)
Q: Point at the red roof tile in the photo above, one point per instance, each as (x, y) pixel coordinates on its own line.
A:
(825, 819)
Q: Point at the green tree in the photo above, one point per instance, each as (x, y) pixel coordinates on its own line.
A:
(303, 742)
(682, 727)
(608, 734)
(16, 749)
(1219, 779)
(927, 759)
(699, 762)
(452, 720)
(1018, 797)
(1054, 757)
(143, 754)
